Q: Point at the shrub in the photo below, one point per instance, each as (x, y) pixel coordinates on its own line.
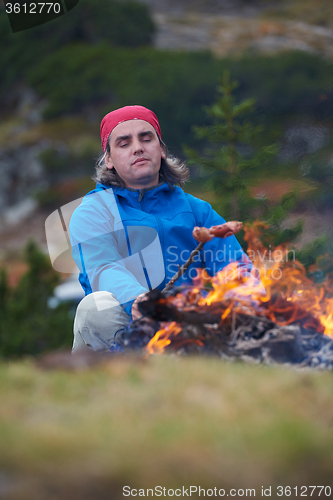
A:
(93, 21)
(176, 85)
(27, 325)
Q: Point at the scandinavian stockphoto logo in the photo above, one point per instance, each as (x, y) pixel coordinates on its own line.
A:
(135, 250)
(26, 14)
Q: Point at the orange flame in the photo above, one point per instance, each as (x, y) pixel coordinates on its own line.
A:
(161, 338)
(283, 286)
(277, 287)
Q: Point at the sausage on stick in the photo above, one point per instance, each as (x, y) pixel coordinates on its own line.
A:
(202, 235)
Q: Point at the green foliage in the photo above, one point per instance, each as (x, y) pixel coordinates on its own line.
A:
(78, 66)
(322, 269)
(318, 168)
(311, 252)
(286, 85)
(63, 191)
(275, 216)
(3, 291)
(120, 24)
(59, 163)
(282, 86)
(232, 157)
(95, 58)
(27, 325)
(232, 160)
(84, 78)
(123, 24)
(174, 85)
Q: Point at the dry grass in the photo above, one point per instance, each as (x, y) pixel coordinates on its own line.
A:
(166, 421)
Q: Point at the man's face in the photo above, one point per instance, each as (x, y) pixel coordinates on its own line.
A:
(136, 153)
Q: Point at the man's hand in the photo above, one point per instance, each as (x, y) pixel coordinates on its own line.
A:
(135, 310)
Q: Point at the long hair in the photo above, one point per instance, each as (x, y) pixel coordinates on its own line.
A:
(172, 170)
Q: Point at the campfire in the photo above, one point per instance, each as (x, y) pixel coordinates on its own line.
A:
(271, 314)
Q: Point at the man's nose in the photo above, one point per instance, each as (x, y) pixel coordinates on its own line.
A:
(137, 146)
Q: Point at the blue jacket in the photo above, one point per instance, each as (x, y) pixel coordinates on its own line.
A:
(128, 241)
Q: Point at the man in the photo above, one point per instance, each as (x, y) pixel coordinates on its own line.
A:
(131, 233)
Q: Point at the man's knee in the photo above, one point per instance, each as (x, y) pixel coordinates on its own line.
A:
(98, 317)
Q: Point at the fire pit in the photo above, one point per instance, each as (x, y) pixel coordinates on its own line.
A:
(283, 317)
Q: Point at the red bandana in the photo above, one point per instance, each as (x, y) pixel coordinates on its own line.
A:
(111, 120)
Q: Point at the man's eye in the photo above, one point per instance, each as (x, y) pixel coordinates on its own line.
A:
(123, 144)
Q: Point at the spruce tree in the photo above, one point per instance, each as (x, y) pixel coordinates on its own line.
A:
(232, 158)
(28, 325)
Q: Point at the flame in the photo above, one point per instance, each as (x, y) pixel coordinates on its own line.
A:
(277, 287)
(165, 336)
(276, 282)
(161, 338)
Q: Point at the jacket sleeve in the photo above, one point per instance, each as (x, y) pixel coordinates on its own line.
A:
(95, 249)
(219, 252)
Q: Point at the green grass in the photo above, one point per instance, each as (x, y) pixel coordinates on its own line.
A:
(166, 421)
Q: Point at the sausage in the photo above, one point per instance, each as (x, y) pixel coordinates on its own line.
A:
(226, 229)
(204, 234)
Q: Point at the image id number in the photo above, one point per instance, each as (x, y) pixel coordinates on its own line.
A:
(33, 8)
(304, 491)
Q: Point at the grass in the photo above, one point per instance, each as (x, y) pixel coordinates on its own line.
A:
(165, 421)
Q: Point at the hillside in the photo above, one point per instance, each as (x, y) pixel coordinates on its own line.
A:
(49, 130)
(229, 35)
(231, 27)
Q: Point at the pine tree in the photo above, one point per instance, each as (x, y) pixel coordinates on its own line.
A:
(232, 158)
(28, 325)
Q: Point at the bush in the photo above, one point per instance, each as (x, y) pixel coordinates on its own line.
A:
(121, 24)
(27, 325)
(286, 85)
(176, 85)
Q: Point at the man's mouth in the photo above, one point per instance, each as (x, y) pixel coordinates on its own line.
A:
(142, 159)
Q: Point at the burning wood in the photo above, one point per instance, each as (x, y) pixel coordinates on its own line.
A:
(292, 323)
(239, 335)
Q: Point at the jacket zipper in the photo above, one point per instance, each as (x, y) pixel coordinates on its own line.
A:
(160, 233)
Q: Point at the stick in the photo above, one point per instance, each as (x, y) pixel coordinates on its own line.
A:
(204, 234)
(183, 268)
